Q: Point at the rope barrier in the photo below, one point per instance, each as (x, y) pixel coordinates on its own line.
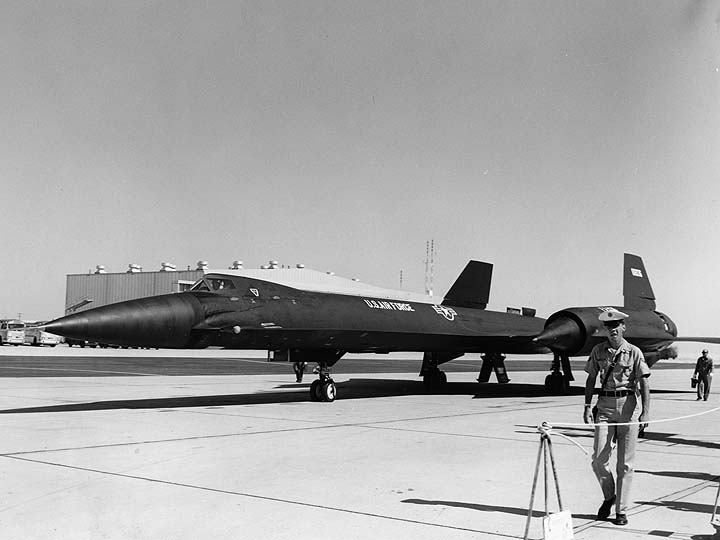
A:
(594, 424)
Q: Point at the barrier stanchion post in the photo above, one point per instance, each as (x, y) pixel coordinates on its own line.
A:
(554, 529)
(715, 520)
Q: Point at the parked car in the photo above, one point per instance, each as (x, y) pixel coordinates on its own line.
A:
(80, 343)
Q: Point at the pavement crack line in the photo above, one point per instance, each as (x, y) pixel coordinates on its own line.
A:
(371, 425)
(258, 497)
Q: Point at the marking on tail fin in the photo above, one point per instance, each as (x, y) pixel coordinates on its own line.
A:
(637, 290)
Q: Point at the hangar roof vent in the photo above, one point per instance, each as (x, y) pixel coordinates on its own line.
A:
(202, 265)
(236, 265)
(100, 269)
(167, 267)
(134, 268)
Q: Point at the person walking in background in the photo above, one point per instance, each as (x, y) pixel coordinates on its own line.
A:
(624, 378)
(703, 374)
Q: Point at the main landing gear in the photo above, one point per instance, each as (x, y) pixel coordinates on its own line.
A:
(323, 389)
(558, 381)
(493, 361)
(434, 379)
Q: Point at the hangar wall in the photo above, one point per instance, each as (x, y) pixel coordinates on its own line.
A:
(86, 291)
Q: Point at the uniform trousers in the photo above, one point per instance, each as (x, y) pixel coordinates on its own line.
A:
(607, 436)
(703, 385)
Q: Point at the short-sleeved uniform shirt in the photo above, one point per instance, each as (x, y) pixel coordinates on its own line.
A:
(704, 365)
(629, 368)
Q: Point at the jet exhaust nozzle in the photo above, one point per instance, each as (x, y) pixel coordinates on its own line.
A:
(562, 334)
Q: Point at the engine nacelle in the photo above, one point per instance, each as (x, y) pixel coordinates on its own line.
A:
(575, 331)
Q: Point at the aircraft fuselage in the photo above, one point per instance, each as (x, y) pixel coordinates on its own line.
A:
(256, 314)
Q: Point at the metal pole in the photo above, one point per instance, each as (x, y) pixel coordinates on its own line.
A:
(554, 470)
(545, 470)
(534, 485)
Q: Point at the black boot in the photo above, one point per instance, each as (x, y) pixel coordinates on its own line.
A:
(605, 507)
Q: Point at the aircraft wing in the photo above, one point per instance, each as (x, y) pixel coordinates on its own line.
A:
(276, 337)
(698, 339)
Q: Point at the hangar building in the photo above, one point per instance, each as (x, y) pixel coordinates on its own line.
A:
(85, 291)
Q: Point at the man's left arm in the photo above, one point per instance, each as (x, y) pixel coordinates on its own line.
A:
(642, 372)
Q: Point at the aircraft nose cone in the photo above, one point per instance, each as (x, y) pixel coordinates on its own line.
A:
(158, 321)
(562, 334)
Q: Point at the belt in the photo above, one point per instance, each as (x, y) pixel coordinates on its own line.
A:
(615, 393)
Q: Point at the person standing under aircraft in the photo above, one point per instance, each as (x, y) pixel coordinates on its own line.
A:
(624, 377)
(299, 369)
(703, 373)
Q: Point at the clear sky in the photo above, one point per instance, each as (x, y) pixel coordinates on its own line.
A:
(545, 137)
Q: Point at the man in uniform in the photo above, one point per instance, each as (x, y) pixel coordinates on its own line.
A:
(624, 378)
(703, 373)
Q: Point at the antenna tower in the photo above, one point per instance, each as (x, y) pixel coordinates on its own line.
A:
(429, 267)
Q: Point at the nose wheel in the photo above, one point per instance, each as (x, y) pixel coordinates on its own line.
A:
(323, 389)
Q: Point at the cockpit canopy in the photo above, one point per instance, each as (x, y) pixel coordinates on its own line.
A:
(212, 282)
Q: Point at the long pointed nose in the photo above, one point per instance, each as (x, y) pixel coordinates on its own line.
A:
(562, 334)
(157, 321)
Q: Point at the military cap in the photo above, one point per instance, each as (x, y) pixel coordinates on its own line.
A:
(612, 314)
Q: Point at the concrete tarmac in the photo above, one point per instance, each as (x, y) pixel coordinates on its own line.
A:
(114, 448)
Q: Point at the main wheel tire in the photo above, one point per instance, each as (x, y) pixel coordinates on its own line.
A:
(556, 384)
(315, 391)
(329, 392)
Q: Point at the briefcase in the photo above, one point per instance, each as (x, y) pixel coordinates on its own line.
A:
(693, 382)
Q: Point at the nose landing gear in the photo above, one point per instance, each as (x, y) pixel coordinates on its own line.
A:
(323, 389)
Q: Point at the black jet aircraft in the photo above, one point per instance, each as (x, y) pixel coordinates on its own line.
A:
(317, 318)
(575, 331)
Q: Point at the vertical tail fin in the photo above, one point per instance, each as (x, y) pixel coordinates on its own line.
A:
(637, 290)
(472, 287)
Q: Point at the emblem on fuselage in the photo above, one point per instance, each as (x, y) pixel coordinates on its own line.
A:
(448, 313)
(255, 292)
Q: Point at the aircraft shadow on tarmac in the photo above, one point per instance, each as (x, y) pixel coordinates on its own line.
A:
(672, 438)
(490, 508)
(351, 389)
(699, 476)
(681, 506)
